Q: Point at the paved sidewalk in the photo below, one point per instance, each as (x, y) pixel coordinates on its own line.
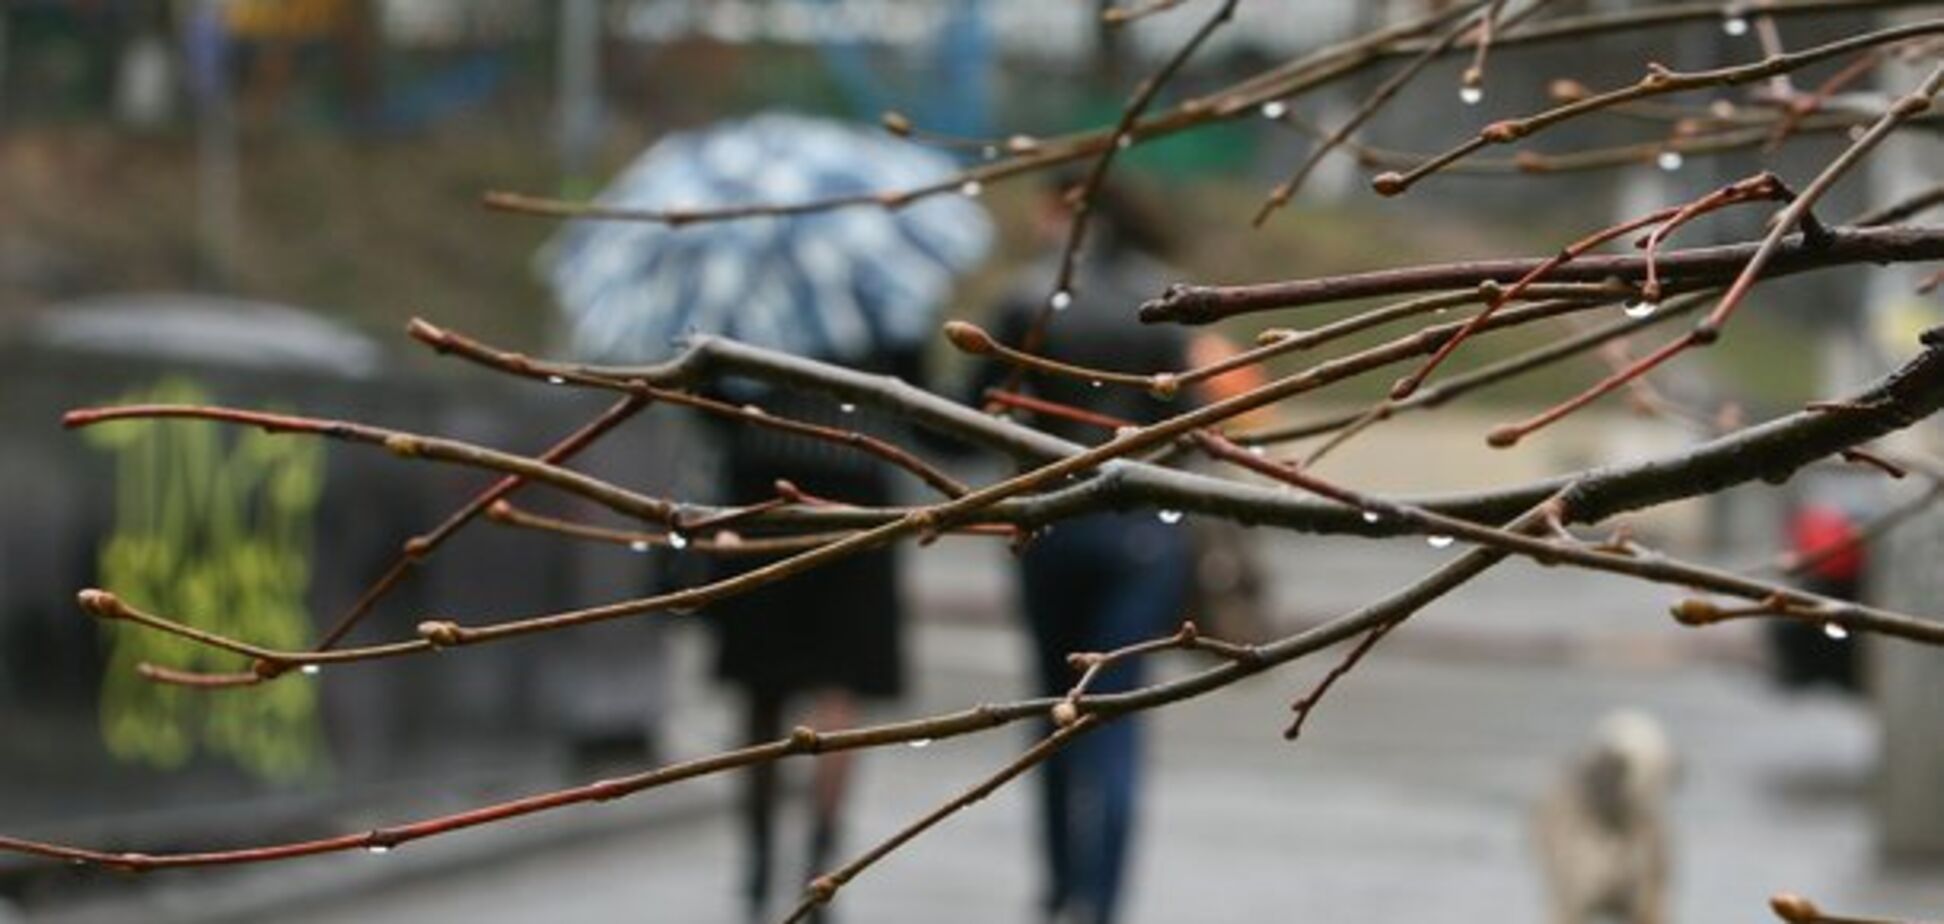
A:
(1406, 800)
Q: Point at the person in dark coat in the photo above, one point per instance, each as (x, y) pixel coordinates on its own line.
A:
(831, 635)
(1102, 580)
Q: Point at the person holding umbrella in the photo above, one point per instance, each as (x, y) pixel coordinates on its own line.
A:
(860, 286)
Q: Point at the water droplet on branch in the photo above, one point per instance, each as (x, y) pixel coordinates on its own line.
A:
(1371, 516)
(556, 380)
(639, 545)
(1835, 630)
(1640, 309)
(971, 189)
(1438, 541)
(1735, 25)
(1670, 161)
(1471, 96)
(310, 670)
(677, 541)
(1061, 300)
(1274, 109)
(1169, 517)
(920, 742)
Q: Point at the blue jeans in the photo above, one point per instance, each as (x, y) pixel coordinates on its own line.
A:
(1094, 584)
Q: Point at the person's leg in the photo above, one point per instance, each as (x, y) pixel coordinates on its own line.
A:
(831, 709)
(1054, 611)
(1141, 602)
(762, 722)
(1099, 806)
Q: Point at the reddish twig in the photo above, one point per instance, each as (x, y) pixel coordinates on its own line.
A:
(1658, 82)
(1796, 214)
(1081, 200)
(1372, 104)
(1795, 909)
(447, 341)
(1308, 702)
(1700, 267)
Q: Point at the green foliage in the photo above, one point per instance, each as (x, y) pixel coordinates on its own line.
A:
(213, 528)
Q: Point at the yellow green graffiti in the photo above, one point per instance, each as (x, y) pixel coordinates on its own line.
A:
(213, 526)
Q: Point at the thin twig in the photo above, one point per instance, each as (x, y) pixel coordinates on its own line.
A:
(1658, 82)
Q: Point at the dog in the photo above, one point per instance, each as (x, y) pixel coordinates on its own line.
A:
(1601, 829)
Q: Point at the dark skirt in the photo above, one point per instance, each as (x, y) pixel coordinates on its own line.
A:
(838, 626)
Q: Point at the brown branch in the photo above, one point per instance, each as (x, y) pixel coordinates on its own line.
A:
(1068, 721)
(414, 552)
(1081, 200)
(823, 888)
(1656, 568)
(1238, 100)
(1795, 909)
(1762, 186)
(1697, 266)
(1908, 395)
(1309, 701)
(1798, 211)
(1025, 402)
(1486, 11)
(401, 443)
(1792, 565)
(1911, 394)
(1448, 389)
(802, 741)
(1472, 82)
(973, 340)
(1658, 82)
(446, 341)
(1796, 214)
(1122, 15)
(1685, 144)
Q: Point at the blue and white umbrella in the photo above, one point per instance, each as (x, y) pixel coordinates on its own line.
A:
(837, 285)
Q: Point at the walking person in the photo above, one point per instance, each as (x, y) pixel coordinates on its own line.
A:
(827, 639)
(1102, 580)
(858, 287)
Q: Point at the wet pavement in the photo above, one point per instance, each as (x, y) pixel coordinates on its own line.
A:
(1408, 798)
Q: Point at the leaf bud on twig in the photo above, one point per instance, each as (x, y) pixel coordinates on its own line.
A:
(969, 338)
(1694, 611)
(442, 633)
(100, 603)
(1566, 91)
(1794, 908)
(1064, 713)
(1502, 132)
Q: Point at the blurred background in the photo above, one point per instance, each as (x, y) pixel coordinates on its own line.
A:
(243, 201)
